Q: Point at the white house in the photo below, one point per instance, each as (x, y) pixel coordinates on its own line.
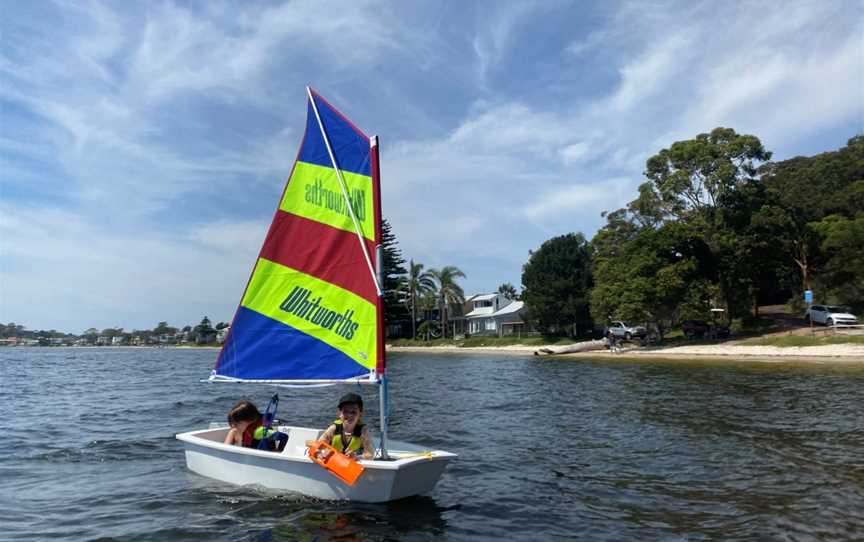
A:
(494, 314)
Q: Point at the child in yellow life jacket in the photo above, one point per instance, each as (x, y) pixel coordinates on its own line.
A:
(247, 428)
(348, 434)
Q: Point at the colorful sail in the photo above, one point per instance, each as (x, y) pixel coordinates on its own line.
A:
(311, 309)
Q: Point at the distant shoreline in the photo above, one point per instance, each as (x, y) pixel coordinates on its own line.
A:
(840, 353)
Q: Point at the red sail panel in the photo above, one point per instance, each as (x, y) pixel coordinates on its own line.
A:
(343, 264)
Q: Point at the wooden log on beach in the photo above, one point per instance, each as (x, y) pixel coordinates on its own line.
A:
(586, 346)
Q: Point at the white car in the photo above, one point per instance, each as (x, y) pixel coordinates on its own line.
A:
(623, 331)
(830, 315)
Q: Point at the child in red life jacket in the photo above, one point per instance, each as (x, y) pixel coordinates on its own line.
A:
(247, 428)
(348, 434)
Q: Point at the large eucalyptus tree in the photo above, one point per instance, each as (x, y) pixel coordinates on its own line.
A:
(709, 183)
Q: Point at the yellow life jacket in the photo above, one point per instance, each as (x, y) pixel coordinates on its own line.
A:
(356, 442)
(258, 434)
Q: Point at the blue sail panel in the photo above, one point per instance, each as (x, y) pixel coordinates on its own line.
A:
(350, 145)
(260, 348)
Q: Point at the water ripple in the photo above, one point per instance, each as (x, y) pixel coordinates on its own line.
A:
(549, 450)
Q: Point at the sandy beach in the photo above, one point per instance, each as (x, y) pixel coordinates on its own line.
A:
(843, 353)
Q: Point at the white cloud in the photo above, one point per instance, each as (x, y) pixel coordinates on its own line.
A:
(578, 199)
(590, 44)
(786, 88)
(574, 152)
(652, 72)
(494, 36)
(61, 271)
(511, 127)
(228, 235)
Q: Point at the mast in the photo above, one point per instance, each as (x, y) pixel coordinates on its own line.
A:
(380, 366)
(377, 278)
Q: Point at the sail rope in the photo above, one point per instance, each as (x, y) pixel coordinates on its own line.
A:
(268, 419)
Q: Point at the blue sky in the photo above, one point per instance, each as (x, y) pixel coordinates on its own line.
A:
(143, 146)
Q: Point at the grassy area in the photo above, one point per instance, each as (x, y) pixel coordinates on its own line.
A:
(534, 340)
(803, 340)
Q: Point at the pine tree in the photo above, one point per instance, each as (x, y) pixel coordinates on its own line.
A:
(394, 274)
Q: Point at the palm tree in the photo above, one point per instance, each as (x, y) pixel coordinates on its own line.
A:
(416, 285)
(448, 291)
(427, 304)
(508, 290)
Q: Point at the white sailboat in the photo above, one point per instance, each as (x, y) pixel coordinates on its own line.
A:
(312, 315)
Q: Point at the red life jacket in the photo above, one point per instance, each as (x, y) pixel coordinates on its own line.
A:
(249, 441)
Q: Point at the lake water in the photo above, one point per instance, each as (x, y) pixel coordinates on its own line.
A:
(549, 450)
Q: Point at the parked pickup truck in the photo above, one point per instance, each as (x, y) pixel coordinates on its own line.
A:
(623, 331)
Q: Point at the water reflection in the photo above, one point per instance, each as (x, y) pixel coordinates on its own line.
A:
(306, 519)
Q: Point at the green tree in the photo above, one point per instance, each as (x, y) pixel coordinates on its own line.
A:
(448, 291)
(802, 191)
(162, 328)
(394, 274)
(429, 329)
(508, 291)
(842, 279)
(416, 285)
(706, 183)
(647, 275)
(556, 282)
(204, 332)
(11, 330)
(90, 335)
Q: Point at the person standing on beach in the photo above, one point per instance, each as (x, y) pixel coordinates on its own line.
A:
(612, 340)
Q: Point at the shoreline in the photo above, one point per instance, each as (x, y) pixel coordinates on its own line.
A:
(842, 353)
(835, 354)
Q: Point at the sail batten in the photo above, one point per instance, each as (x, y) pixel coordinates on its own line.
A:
(311, 310)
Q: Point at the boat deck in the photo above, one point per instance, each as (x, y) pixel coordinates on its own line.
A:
(295, 449)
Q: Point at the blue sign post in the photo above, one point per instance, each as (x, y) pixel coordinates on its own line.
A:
(808, 297)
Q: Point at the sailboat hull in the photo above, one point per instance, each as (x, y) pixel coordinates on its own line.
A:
(414, 471)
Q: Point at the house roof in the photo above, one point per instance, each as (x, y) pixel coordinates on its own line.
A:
(486, 312)
(483, 297)
(515, 306)
(480, 311)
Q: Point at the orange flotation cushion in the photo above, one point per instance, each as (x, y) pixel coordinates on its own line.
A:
(342, 466)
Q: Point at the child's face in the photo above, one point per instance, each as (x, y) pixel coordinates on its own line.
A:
(350, 413)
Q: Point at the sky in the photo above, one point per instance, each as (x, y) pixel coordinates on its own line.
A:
(144, 145)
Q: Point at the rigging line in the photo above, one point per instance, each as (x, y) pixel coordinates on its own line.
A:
(345, 193)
